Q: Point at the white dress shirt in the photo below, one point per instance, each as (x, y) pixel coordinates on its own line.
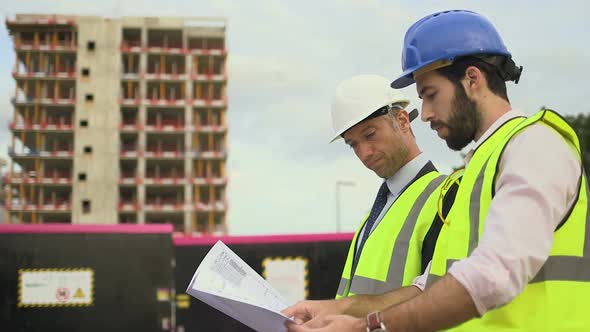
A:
(396, 184)
(536, 185)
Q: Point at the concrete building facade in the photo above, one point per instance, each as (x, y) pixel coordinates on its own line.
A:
(119, 121)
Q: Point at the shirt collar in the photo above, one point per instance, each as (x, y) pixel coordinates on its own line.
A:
(405, 174)
(497, 124)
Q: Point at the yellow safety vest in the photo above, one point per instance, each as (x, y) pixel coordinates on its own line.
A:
(558, 298)
(391, 256)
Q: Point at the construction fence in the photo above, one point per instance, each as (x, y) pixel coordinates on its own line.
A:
(133, 277)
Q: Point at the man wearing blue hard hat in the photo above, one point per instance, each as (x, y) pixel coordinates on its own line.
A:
(514, 250)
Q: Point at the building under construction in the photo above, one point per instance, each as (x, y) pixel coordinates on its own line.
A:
(119, 121)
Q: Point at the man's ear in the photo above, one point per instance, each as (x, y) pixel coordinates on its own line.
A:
(473, 80)
(403, 120)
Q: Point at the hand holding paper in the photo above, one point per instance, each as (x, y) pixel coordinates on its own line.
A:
(224, 281)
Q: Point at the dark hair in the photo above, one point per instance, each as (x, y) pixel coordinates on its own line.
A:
(456, 72)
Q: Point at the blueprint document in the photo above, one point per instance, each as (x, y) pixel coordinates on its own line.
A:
(225, 282)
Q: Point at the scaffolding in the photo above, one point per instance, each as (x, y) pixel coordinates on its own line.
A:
(41, 148)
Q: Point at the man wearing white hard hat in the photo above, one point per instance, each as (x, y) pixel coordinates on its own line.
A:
(395, 242)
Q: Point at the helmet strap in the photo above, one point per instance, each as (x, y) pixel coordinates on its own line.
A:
(507, 69)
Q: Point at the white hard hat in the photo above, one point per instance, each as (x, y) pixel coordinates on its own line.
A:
(360, 96)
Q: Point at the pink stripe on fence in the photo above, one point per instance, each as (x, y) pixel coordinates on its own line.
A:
(69, 229)
(182, 240)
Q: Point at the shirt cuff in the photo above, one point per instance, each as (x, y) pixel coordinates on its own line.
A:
(420, 281)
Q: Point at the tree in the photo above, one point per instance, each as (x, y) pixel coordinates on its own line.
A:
(581, 124)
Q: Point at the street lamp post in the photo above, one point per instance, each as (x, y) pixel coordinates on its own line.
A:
(340, 183)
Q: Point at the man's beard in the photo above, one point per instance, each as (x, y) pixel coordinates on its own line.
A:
(463, 122)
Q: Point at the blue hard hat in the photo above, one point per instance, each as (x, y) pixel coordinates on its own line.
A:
(444, 36)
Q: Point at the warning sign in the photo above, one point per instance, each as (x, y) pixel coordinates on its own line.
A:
(55, 287)
(163, 294)
(62, 295)
(183, 301)
(79, 294)
(288, 275)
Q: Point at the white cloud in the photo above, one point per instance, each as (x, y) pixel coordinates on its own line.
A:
(271, 193)
(248, 72)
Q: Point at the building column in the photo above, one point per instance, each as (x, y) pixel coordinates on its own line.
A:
(142, 119)
(188, 159)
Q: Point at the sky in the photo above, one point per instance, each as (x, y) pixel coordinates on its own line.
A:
(285, 60)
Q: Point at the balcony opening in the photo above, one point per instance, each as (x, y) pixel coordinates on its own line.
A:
(86, 206)
(131, 37)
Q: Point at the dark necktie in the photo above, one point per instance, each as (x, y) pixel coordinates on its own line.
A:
(378, 206)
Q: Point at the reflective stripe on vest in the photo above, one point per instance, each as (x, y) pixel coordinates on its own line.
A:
(556, 299)
(398, 251)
